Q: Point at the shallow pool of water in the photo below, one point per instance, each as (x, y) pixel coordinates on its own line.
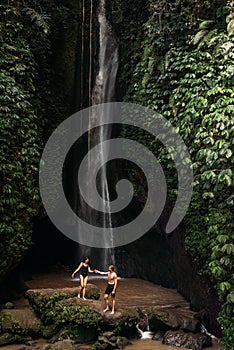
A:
(149, 344)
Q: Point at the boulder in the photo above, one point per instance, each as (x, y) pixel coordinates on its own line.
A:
(39, 297)
(78, 334)
(20, 321)
(158, 336)
(8, 305)
(109, 341)
(43, 301)
(123, 322)
(174, 318)
(61, 345)
(122, 342)
(194, 341)
(7, 338)
(72, 318)
(48, 331)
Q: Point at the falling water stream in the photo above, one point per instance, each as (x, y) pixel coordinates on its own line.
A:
(103, 91)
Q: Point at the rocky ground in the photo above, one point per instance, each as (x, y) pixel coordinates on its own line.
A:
(36, 316)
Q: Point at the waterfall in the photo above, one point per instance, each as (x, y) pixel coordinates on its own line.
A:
(143, 325)
(205, 331)
(104, 88)
(103, 91)
(147, 334)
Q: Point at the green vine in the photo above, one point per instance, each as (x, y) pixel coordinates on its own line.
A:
(21, 137)
(189, 80)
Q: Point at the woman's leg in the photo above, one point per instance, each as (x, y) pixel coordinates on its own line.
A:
(113, 304)
(84, 286)
(81, 285)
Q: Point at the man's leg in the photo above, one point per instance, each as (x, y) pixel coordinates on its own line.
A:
(106, 302)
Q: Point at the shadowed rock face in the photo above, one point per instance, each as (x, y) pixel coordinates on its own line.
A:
(162, 259)
(177, 318)
(143, 322)
(187, 340)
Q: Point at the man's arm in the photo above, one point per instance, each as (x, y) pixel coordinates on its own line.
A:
(116, 282)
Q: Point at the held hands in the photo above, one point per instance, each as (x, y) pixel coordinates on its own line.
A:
(73, 275)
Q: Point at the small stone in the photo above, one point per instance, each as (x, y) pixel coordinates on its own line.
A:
(113, 339)
(122, 342)
(108, 335)
(30, 343)
(102, 339)
(8, 305)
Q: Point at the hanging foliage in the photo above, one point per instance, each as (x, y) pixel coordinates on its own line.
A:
(189, 79)
(21, 133)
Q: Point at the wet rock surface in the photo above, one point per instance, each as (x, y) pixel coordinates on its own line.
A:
(194, 341)
(173, 318)
(109, 340)
(158, 336)
(8, 305)
(61, 345)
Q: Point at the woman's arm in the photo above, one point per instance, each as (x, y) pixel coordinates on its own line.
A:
(89, 268)
(101, 272)
(78, 268)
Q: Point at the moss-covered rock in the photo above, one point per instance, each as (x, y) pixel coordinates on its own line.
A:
(108, 341)
(122, 322)
(44, 300)
(20, 322)
(48, 331)
(64, 315)
(78, 334)
(8, 338)
(62, 345)
(80, 319)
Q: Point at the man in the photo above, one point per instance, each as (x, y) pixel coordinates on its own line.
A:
(111, 287)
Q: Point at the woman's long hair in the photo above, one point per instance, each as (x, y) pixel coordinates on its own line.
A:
(87, 258)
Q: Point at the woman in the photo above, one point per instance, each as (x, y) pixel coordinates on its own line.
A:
(111, 287)
(84, 269)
